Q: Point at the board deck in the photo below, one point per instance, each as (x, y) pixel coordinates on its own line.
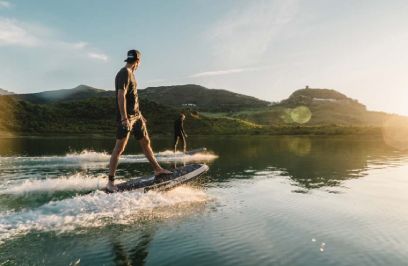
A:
(179, 176)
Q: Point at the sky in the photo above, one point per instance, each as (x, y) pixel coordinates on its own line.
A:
(266, 49)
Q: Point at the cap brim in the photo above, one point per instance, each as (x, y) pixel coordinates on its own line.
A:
(129, 60)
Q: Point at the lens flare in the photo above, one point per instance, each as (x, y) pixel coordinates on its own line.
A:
(301, 114)
(395, 132)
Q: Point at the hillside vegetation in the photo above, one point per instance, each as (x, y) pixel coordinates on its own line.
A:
(87, 110)
(97, 116)
(323, 106)
(204, 99)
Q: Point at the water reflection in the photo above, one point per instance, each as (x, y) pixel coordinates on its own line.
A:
(123, 255)
(311, 162)
(236, 222)
(122, 246)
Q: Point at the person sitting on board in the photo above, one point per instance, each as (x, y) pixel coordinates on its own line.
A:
(129, 118)
(179, 133)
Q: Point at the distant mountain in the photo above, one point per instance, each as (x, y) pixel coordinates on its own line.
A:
(5, 92)
(316, 107)
(311, 97)
(88, 110)
(80, 92)
(201, 98)
(96, 115)
(179, 97)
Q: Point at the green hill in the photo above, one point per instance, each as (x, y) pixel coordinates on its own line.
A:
(178, 96)
(316, 107)
(87, 110)
(97, 116)
(201, 98)
(78, 93)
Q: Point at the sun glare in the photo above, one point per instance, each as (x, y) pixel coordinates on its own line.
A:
(395, 132)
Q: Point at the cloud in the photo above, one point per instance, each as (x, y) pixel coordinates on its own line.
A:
(226, 72)
(4, 4)
(244, 35)
(80, 45)
(13, 33)
(17, 33)
(98, 56)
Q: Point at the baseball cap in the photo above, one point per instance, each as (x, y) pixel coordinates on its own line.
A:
(132, 56)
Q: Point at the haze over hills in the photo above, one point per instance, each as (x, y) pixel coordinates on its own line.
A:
(78, 93)
(5, 92)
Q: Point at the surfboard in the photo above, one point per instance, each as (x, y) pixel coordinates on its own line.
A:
(180, 175)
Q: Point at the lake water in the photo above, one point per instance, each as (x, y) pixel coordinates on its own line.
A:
(265, 201)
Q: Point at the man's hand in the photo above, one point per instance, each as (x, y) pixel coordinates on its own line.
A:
(126, 124)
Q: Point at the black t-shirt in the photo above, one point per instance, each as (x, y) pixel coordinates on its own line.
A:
(125, 80)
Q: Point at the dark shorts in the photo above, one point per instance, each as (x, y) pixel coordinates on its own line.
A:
(179, 136)
(138, 129)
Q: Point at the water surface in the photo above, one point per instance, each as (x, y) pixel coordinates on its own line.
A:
(265, 201)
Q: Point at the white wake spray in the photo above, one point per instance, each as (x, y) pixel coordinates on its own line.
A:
(99, 209)
(77, 182)
(87, 157)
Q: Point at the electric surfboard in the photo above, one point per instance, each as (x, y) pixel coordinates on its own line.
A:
(179, 175)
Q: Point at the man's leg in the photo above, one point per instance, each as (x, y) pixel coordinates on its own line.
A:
(148, 152)
(183, 138)
(176, 138)
(122, 137)
(117, 151)
(142, 136)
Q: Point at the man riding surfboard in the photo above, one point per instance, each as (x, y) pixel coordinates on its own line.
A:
(129, 119)
(179, 133)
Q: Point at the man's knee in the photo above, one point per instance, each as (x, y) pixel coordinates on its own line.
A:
(118, 151)
(145, 141)
(119, 147)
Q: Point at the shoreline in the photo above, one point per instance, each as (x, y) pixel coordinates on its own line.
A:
(275, 131)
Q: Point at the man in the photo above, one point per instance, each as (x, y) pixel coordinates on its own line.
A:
(179, 133)
(129, 118)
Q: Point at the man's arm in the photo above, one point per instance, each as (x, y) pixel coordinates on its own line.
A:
(122, 104)
(123, 85)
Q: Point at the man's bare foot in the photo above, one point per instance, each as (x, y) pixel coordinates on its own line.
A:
(111, 187)
(162, 171)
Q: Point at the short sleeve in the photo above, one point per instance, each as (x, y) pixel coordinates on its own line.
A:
(123, 80)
